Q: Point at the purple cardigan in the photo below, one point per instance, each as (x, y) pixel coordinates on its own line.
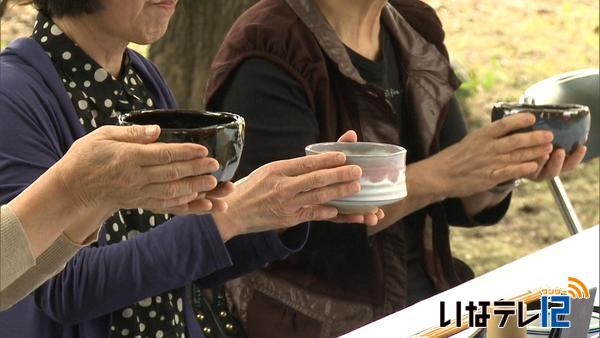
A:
(37, 125)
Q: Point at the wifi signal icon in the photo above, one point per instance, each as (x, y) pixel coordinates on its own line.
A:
(577, 289)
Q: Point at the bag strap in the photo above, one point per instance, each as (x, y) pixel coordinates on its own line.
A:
(215, 318)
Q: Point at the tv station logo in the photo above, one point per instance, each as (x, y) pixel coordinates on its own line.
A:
(561, 301)
(555, 304)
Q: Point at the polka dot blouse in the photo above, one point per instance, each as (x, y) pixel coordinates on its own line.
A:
(99, 98)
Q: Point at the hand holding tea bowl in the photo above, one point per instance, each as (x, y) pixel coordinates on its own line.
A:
(569, 124)
(282, 194)
(277, 195)
(383, 174)
(222, 134)
(508, 149)
(470, 169)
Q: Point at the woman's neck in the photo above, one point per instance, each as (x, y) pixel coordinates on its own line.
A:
(357, 23)
(103, 48)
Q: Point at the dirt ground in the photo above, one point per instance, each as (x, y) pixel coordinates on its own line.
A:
(500, 48)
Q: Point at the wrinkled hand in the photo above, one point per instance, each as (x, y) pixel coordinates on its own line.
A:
(120, 167)
(489, 156)
(558, 163)
(285, 193)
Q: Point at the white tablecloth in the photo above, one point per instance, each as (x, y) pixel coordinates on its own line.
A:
(576, 256)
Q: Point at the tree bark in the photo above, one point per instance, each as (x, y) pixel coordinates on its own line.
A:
(3, 5)
(186, 51)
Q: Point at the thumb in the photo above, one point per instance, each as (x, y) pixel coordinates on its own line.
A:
(133, 134)
(349, 136)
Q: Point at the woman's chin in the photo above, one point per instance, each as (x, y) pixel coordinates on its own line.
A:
(148, 38)
(143, 42)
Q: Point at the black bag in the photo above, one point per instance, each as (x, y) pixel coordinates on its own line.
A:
(214, 316)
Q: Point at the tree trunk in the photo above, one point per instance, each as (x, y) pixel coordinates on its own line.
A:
(186, 51)
(3, 5)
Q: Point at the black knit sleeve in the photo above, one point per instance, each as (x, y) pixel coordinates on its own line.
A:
(279, 124)
(453, 131)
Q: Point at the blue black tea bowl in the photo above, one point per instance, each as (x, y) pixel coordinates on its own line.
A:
(570, 123)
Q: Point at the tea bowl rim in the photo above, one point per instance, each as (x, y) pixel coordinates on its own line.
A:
(237, 119)
(560, 109)
(399, 149)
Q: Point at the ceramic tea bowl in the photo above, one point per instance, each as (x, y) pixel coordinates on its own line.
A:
(570, 123)
(221, 133)
(383, 178)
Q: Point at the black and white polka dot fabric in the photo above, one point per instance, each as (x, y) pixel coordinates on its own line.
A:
(99, 98)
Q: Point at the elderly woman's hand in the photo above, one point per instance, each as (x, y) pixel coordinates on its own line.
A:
(285, 193)
(558, 163)
(120, 167)
(488, 157)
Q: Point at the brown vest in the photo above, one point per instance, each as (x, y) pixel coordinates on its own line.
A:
(294, 35)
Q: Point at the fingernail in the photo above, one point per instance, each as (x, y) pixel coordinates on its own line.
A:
(340, 158)
(356, 172)
(549, 136)
(331, 212)
(191, 197)
(215, 165)
(151, 130)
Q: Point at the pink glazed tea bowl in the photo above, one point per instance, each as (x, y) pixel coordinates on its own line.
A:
(383, 178)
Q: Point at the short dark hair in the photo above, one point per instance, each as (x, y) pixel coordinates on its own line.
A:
(60, 8)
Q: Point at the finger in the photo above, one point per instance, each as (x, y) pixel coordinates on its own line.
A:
(370, 219)
(354, 218)
(218, 205)
(326, 194)
(306, 164)
(523, 140)
(163, 153)
(323, 178)
(196, 207)
(528, 154)
(573, 160)
(380, 214)
(349, 136)
(553, 166)
(359, 218)
(509, 124)
(133, 134)
(315, 213)
(514, 171)
(200, 206)
(178, 170)
(223, 189)
(541, 163)
(159, 205)
(181, 187)
(373, 218)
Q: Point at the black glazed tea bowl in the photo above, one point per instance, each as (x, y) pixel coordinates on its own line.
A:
(570, 123)
(221, 133)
